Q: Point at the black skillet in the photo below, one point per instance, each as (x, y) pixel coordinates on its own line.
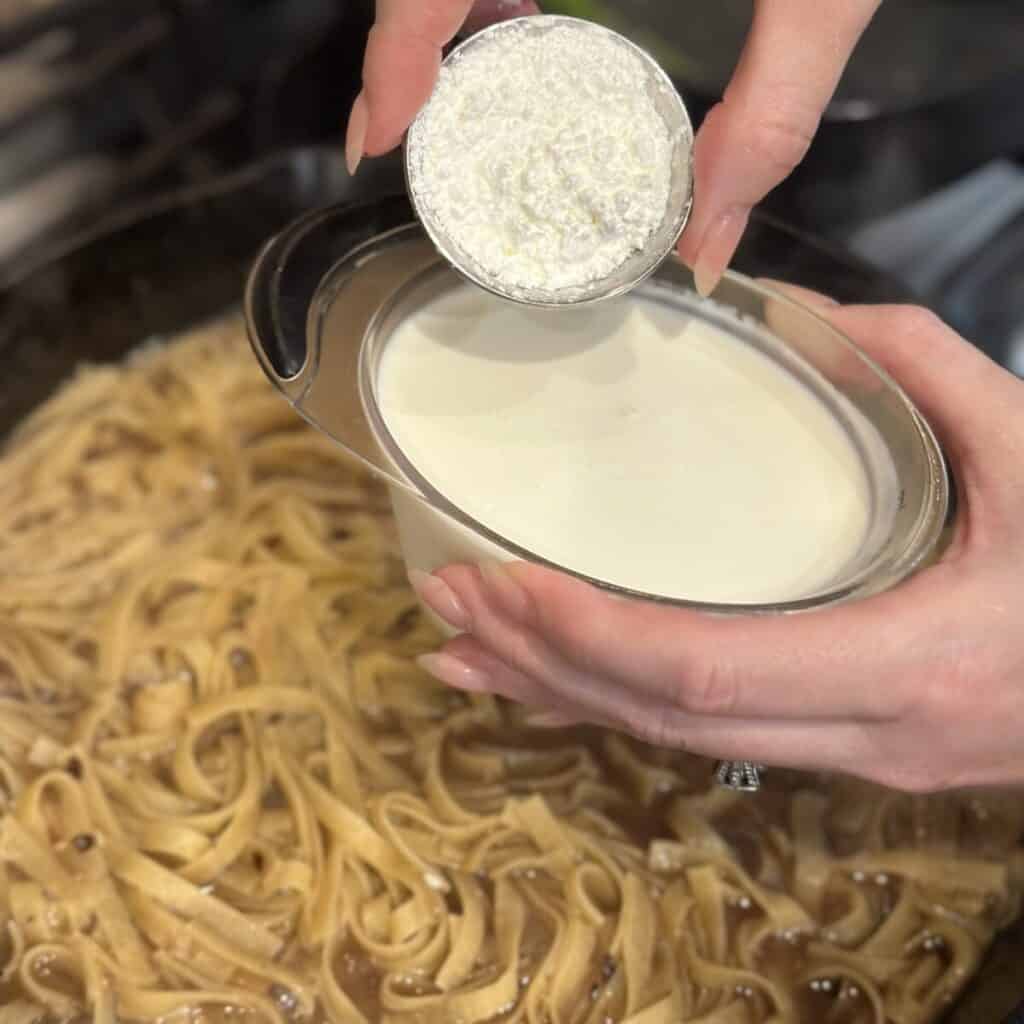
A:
(160, 269)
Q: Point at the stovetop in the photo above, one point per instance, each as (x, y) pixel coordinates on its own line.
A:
(107, 101)
(961, 251)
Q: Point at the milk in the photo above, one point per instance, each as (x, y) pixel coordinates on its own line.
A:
(628, 441)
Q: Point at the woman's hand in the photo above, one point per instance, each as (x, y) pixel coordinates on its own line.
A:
(920, 688)
(748, 144)
(403, 57)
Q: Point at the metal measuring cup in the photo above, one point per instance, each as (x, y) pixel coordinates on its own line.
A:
(641, 263)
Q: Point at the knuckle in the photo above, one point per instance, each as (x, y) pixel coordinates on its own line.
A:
(956, 677)
(900, 701)
(937, 701)
(917, 322)
(706, 688)
(781, 142)
(943, 674)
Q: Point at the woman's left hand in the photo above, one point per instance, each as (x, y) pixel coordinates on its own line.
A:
(920, 688)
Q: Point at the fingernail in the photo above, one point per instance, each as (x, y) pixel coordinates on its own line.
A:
(452, 671)
(717, 248)
(440, 598)
(506, 590)
(355, 135)
(550, 720)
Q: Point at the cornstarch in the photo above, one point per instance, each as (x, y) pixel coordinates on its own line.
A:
(543, 157)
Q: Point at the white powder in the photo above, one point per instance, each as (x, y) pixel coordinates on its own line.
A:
(542, 156)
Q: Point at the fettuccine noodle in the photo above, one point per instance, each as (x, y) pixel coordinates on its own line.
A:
(225, 788)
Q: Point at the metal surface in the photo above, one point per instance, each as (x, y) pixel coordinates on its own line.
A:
(931, 93)
(639, 266)
(162, 268)
(962, 251)
(104, 102)
(913, 54)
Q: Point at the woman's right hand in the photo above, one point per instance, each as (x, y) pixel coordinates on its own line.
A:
(748, 144)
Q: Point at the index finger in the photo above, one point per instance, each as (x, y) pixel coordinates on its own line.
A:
(855, 661)
(403, 56)
(795, 53)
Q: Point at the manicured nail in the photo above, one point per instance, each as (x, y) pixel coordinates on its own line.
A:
(717, 248)
(506, 590)
(440, 598)
(355, 135)
(551, 720)
(453, 671)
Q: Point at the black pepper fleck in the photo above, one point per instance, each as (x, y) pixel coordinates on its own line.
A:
(84, 842)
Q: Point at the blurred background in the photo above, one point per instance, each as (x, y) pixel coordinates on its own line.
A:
(919, 166)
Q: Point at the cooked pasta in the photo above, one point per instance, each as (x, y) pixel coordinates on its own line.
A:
(225, 788)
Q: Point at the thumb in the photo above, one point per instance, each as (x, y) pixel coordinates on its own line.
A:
(972, 403)
(749, 143)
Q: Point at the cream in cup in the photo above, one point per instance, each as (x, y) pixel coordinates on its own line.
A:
(637, 443)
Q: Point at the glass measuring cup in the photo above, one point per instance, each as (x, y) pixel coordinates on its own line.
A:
(325, 295)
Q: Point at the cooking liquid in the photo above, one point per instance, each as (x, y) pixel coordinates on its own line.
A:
(629, 442)
(532, 758)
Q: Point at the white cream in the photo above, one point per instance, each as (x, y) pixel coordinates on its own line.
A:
(627, 441)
